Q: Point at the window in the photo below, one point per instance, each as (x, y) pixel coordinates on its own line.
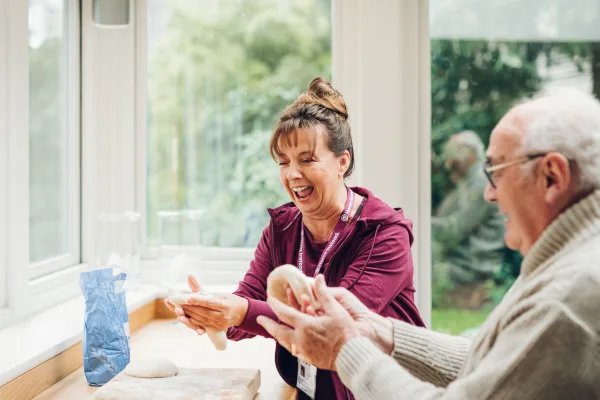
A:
(39, 155)
(53, 137)
(479, 68)
(219, 73)
(3, 152)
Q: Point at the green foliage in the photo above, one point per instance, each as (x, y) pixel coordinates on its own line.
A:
(220, 75)
(473, 84)
(47, 150)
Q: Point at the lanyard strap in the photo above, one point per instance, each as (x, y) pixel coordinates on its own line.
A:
(339, 227)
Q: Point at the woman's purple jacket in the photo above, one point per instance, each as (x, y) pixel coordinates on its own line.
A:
(373, 260)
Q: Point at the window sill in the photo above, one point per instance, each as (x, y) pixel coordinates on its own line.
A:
(29, 342)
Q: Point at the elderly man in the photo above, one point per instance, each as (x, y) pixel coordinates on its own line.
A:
(467, 230)
(543, 340)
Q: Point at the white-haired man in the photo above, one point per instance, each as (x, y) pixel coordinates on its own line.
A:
(543, 340)
(466, 230)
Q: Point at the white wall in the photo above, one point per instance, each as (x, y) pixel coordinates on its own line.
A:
(381, 66)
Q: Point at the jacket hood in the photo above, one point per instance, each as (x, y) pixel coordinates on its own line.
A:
(375, 212)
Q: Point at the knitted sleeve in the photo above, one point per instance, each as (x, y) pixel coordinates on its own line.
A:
(543, 352)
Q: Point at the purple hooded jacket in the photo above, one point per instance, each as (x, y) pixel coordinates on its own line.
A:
(373, 260)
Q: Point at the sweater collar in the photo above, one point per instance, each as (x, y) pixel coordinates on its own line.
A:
(579, 222)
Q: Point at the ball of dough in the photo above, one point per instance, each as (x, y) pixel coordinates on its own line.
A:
(285, 275)
(151, 369)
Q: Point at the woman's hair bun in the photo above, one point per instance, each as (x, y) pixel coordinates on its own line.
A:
(322, 93)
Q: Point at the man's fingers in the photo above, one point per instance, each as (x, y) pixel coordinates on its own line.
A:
(304, 302)
(324, 297)
(292, 298)
(283, 334)
(193, 284)
(285, 313)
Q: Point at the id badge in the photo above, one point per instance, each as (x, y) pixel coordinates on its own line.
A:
(307, 378)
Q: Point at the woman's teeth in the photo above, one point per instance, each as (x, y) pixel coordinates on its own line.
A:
(302, 191)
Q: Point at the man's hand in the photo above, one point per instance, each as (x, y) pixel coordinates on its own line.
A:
(372, 325)
(315, 338)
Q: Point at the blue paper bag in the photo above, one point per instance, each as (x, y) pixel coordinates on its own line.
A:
(106, 325)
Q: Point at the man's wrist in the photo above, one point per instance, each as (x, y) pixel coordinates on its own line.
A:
(383, 333)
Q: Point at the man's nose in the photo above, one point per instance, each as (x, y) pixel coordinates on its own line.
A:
(489, 193)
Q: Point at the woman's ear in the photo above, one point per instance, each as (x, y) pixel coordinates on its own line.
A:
(344, 163)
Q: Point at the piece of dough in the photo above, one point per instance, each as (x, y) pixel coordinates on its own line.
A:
(154, 368)
(285, 275)
(217, 337)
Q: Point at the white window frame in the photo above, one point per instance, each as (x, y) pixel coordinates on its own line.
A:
(109, 137)
(17, 167)
(71, 162)
(3, 152)
(27, 288)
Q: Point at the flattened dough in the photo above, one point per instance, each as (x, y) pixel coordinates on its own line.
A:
(154, 368)
(116, 393)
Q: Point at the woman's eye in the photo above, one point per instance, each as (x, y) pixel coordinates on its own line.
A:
(308, 160)
(283, 162)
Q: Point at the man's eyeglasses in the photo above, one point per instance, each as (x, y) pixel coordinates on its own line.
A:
(489, 169)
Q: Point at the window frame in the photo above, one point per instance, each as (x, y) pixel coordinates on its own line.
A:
(3, 152)
(29, 288)
(71, 163)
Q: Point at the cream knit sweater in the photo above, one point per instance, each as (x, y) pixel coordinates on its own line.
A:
(541, 342)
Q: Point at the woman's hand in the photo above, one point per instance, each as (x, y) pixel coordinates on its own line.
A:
(216, 311)
(181, 317)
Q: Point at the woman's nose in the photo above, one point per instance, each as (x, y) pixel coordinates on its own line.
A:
(293, 172)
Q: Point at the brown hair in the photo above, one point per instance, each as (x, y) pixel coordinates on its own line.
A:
(321, 106)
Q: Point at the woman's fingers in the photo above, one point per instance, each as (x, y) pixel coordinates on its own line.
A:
(193, 284)
(169, 305)
(205, 318)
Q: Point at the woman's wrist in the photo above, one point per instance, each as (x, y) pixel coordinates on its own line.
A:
(242, 311)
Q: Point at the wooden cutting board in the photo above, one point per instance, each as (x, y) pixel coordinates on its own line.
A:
(189, 384)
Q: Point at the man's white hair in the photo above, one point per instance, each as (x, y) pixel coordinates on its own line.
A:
(568, 122)
(459, 141)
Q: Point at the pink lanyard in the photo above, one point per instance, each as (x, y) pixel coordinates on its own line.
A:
(339, 227)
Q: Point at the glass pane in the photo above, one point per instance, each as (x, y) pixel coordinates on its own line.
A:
(47, 129)
(479, 70)
(219, 74)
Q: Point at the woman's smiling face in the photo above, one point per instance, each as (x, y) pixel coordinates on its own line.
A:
(310, 172)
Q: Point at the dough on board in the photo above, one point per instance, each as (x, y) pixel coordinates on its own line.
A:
(154, 368)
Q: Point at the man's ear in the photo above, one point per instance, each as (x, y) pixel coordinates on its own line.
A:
(558, 176)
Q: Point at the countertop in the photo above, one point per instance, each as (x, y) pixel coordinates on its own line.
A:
(171, 340)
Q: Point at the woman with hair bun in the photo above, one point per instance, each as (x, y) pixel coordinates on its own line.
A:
(345, 233)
